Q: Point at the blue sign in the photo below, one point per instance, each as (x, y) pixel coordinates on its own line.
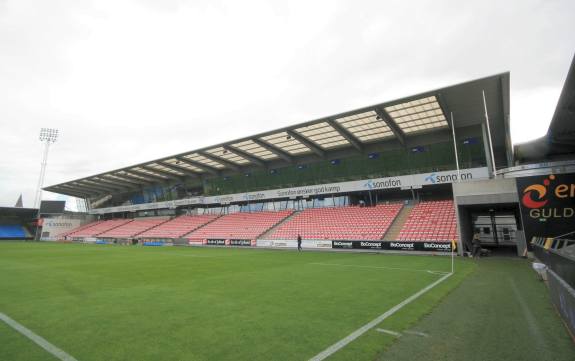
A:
(430, 178)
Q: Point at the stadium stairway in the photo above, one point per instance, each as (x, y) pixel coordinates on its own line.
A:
(99, 228)
(133, 228)
(239, 225)
(29, 234)
(273, 229)
(202, 226)
(80, 228)
(164, 221)
(178, 227)
(118, 225)
(392, 233)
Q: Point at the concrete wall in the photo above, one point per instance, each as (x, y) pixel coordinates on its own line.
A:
(482, 192)
(485, 192)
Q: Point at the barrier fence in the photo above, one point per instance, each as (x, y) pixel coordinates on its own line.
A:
(557, 255)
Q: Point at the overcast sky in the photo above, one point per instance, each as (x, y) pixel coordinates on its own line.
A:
(130, 81)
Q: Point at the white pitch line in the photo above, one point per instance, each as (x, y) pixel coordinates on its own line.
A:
(185, 255)
(398, 334)
(417, 333)
(379, 267)
(389, 332)
(363, 329)
(55, 351)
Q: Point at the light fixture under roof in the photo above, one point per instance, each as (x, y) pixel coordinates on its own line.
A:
(223, 153)
(289, 145)
(180, 164)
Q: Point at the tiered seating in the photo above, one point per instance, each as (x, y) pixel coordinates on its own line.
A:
(98, 227)
(133, 228)
(178, 227)
(77, 229)
(240, 225)
(368, 223)
(12, 231)
(430, 221)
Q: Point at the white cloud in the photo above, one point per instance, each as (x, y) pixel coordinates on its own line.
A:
(129, 81)
(532, 109)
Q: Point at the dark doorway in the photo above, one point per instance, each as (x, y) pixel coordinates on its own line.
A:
(499, 227)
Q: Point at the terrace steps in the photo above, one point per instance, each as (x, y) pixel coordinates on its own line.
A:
(392, 233)
(118, 226)
(155, 226)
(271, 230)
(202, 226)
(241, 225)
(100, 228)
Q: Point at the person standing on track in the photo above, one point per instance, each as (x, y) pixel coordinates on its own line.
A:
(468, 246)
(476, 245)
(299, 242)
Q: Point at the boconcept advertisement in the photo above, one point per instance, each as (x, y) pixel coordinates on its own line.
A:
(405, 181)
(395, 245)
(429, 246)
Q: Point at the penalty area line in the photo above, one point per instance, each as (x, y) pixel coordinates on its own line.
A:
(379, 267)
(368, 326)
(40, 341)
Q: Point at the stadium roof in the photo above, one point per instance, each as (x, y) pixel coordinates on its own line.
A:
(18, 212)
(559, 142)
(397, 121)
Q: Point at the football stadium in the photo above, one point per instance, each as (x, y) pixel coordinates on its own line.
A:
(402, 230)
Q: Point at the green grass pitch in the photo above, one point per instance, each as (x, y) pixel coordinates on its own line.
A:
(184, 303)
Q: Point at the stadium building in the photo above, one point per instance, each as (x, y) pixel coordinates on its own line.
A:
(386, 168)
(414, 173)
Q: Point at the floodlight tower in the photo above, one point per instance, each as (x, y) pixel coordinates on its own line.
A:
(47, 136)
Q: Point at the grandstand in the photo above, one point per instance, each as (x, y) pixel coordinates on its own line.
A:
(414, 173)
(379, 173)
(12, 231)
(17, 223)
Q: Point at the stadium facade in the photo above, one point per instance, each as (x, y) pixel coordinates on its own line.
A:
(450, 144)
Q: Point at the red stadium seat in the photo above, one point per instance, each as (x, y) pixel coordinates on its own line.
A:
(430, 221)
(240, 225)
(353, 222)
(133, 228)
(178, 227)
(97, 228)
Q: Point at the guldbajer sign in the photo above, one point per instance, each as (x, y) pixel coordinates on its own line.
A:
(547, 205)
